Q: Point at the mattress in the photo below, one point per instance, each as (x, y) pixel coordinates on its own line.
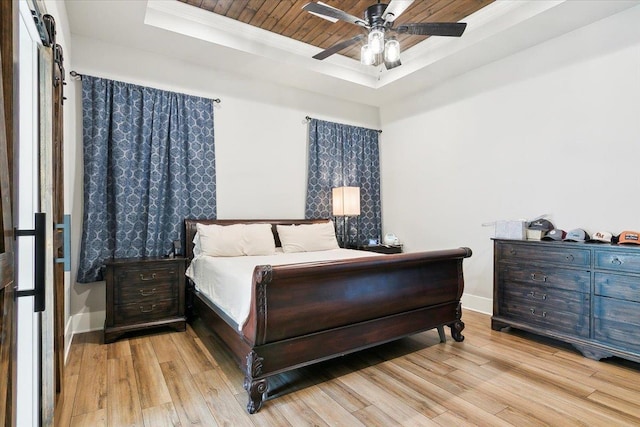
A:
(226, 281)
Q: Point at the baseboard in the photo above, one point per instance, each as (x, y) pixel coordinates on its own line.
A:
(79, 323)
(476, 303)
(87, 322)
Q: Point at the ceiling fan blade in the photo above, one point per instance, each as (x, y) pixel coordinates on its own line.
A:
(451, 29)
(394, 9)
(338, 47)
(322, 9)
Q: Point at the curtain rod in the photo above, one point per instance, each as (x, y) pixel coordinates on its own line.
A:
(78, 76)
(308, 119)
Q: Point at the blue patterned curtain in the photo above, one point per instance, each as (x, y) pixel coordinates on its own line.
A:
(149, 162)
(343, 155)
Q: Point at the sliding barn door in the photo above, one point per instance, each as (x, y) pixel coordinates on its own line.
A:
(60, 249)
(7, 278)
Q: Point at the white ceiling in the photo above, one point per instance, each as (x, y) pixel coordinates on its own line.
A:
(187, 33)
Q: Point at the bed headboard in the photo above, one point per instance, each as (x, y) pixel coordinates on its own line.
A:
(190, 228)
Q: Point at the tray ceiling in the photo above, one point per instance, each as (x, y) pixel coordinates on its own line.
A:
(287, 18)
(251, 42)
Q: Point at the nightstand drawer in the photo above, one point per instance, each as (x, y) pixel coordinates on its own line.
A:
(144, 292)
(149, 274)
(145, 311)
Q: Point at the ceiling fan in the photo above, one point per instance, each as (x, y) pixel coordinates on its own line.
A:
(379, 20)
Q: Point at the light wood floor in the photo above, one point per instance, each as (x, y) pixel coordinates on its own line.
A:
(490, 379)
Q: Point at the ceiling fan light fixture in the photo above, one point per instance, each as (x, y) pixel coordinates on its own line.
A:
(367, 57)
(376, 40)
(392, 50)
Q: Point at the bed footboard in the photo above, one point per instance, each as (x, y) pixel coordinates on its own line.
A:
(302, 314)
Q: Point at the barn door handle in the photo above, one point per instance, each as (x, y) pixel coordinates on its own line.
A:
(66, 242)
(39, 232)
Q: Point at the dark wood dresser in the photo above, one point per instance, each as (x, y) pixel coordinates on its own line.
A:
(585, 294)
(144, 293)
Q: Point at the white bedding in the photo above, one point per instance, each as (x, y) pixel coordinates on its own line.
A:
(226, 281)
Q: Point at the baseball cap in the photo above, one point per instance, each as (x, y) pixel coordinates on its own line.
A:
(576, 235)
(601, 237)
(555, 234)
(540, 224)
(629, 237)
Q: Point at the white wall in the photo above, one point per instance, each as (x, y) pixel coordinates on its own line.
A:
(553, 129)
(260, 137)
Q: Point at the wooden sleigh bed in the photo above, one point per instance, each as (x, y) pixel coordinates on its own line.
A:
(306, 313)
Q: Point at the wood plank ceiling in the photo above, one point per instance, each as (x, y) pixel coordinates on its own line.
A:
(286, 17)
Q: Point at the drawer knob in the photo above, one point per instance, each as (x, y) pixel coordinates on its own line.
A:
(538, 277)
(533, 313)
(512, 251)
(147, 278)
(616, 261)
(570, 258)
(541, 297)
(142, 309)
(144, 293)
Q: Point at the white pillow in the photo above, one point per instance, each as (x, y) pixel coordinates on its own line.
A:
(257, 239)
(308, 237)
(235, 239)
(219, 240)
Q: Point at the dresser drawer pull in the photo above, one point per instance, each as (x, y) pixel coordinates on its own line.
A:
(147, 278)
(142, 310)
(533, 295)
(512, 251)
(144, 293)
(533, 313)
(570, 258)
(616, 261)
(538, 277)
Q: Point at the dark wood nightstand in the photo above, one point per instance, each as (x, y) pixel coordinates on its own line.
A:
(382, 249)
(144, 293)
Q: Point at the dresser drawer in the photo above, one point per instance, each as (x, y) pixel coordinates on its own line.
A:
(145, 292)
(618, 261)
(627, 312)
(622, 335)
(564, 256)
(545, 316)
(529, 274)
(619, 286)
(145, 312)
(548, 299)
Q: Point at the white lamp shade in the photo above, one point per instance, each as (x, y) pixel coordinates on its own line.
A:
(346, 201)
(376, 40)
(392, 50)
(366, 55)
